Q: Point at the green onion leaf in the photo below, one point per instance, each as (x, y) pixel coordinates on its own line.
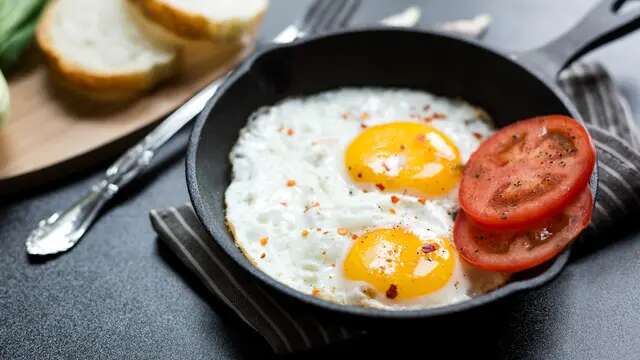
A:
(18, 20)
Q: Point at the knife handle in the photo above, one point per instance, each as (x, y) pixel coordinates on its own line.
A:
(61, 231)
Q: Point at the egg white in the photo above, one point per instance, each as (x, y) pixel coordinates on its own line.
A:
(304, 139)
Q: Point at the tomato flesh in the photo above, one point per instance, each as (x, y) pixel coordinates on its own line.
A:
(517, 250)
(526, 172)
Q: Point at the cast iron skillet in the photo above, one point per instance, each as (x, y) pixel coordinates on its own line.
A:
(509, 87)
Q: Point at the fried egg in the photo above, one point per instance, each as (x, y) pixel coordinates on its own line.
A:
(349, 195)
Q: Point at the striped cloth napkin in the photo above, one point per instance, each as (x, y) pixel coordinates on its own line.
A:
(290, 327)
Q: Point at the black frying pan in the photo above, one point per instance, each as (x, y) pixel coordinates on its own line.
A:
(509, 87)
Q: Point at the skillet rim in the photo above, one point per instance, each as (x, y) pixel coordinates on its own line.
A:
(230, 248)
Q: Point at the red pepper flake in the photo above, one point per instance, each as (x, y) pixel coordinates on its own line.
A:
(402, 147)
(359, 175)
(420, 138)
(427, 118)
(291, 183)
(428, 248)
(264, 241)
(315, 292)
(477, 135)
(290, 132)
(422, 200)
(305, 233)
(263, 255)
(313, 205)
(343, 231)
(380, 187)
(318, 229)
(354, 237)
(392, 210)
(364, 126)
(394, 199)
(439, 115)
(364, 116)
(392, 291)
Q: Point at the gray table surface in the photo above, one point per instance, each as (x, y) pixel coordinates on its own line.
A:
(121, 294)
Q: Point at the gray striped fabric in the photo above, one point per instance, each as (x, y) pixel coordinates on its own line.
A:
(290, 327)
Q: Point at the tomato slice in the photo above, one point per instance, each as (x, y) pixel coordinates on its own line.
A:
(517, 250)
(526, 172)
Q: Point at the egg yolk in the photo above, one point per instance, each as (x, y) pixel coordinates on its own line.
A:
(405, 156)
(398, 264)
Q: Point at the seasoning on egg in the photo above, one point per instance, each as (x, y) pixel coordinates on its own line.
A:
(392, 291)
(305, 233)
(309, 207)
(422, 200)
(264, 241)
(343, 231)
(428, 248)
(380, 187)
(291, 183)
(369, 292)
(394, 199)
(290, 132)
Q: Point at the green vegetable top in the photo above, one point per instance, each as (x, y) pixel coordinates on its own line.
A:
(18, 20)
(4, 100)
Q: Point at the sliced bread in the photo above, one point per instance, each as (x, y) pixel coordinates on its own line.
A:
(96, 48)
(215, 20)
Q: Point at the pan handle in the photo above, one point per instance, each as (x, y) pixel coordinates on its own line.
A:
(602, 24)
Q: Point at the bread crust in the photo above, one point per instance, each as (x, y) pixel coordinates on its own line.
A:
(195, 26)
(113, 86)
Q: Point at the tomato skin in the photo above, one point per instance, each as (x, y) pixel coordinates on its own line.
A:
(517, 250)
(527, 171)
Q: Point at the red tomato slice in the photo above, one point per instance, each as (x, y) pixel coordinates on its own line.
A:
(517, 250)
(526, 172)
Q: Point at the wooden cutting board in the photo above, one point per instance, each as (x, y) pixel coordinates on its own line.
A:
(51, 134)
